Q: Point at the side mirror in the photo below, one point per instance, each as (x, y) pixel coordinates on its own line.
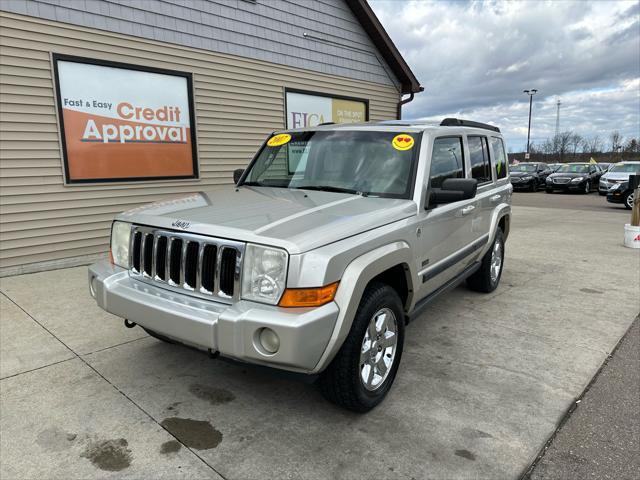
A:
(237, 174)
(453, 190)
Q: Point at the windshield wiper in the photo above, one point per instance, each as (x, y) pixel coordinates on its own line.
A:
(327, 188)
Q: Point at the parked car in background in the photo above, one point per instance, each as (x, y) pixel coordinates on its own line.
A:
(618, 173)
(604, 166)
(529, 176)
(575, 177)
(621, 193)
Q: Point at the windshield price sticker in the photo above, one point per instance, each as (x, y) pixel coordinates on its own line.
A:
(402, 142)
(278, 140)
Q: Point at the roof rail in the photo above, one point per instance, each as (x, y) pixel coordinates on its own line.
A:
(457, 122)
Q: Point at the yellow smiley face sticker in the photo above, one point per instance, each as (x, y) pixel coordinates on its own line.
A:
(278, 140)
(402, 142)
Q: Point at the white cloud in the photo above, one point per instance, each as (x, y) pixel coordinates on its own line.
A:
(475, 58)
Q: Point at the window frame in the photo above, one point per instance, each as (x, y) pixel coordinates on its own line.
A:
(494, 167)
(487, 162)
(462, 153)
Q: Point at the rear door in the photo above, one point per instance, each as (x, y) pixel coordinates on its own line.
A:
(444, 229)
(480, 169)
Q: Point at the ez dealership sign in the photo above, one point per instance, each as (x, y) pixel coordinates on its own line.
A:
(123, 122)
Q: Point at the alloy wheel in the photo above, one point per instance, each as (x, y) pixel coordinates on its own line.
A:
(496, 261)
(378, 350)
(629, 200)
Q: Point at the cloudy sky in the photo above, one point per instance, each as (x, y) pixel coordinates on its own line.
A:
(475, 59)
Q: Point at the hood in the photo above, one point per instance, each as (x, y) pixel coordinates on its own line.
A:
(522, 174)
(567, 175)
(297, 220)
(616, 176)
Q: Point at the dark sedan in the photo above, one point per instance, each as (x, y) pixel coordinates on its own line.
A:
(528, 176)
(575, 177)
(621, 193)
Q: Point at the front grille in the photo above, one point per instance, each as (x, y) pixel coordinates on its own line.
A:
(194, 264)
(561, 180)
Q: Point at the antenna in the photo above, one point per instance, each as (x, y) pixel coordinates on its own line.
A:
(558, 119)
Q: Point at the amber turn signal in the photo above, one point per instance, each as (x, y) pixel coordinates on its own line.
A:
(308, 297)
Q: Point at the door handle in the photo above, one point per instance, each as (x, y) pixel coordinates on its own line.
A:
(495, 198)
(468, 210)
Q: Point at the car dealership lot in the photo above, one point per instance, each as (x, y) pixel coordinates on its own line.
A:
(483, 383)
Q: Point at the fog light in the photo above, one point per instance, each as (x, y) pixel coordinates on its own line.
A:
(93, 286)
(269, 340)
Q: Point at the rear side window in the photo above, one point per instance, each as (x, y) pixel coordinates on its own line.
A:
(499, 156)
(447, 160)
(479, 158)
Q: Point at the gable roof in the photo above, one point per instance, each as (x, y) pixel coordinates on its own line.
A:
(385, 45)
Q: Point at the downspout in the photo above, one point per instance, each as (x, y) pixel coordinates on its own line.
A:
(404, 102)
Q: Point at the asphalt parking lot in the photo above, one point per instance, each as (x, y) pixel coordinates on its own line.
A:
(484, 382)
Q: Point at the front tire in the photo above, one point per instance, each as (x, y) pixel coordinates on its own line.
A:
(587, 188)
(549, 190)
(487, 278)
(364, 369)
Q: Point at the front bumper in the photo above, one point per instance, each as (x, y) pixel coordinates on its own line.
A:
(617, 196)
(232, 330)
(520, 184)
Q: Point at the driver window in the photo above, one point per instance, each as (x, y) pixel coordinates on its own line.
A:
(447, 160)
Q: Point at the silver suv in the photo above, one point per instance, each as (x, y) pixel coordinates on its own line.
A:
(330, 242)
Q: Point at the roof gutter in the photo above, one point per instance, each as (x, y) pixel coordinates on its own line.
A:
(404, 102)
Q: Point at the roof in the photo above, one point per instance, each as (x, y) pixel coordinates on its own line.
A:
(385, 45)
(401, 126)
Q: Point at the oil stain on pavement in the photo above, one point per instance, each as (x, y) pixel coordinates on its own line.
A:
(172, 446)
(196, 434)
(465, 454)
(213, 395)
(110, 455)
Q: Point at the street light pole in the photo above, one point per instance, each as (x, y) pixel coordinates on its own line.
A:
(531, 93)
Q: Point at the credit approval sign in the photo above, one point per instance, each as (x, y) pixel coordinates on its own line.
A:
(124, 122)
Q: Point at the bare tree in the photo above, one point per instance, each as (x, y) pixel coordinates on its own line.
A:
(592, 145)
(616, 140)
(632, 146)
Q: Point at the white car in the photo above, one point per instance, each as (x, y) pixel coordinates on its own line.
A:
(618, 173)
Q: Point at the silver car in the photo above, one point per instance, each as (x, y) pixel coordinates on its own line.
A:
(618, 173)
(330, 242)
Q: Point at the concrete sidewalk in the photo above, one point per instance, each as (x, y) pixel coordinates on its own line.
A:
(485, 379)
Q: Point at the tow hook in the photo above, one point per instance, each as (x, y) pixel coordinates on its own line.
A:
(129, 324)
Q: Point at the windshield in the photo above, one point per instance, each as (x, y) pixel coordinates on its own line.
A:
(625, 168)
(523, 167)
(573, 169)
(365, 162)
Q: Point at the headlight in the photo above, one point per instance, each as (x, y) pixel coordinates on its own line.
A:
(615, 186)
(120, 236)
(527, 177)
(577, 179)
(264, 274)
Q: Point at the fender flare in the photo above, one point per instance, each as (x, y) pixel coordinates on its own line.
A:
(355, 278)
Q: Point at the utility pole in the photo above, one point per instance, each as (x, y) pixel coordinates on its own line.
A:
(558, 119)
(531, 93)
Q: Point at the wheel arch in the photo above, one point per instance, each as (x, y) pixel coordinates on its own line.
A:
(385, 263)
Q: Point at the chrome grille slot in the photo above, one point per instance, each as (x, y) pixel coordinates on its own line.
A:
(227, 270)
(208, 267)
(147, 255)
(161, 258)
(175, 260)
(192, 264)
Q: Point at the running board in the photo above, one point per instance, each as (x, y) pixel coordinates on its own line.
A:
(451, 284)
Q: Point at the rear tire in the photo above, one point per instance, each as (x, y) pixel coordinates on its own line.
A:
(364, 369)
(487, 278)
